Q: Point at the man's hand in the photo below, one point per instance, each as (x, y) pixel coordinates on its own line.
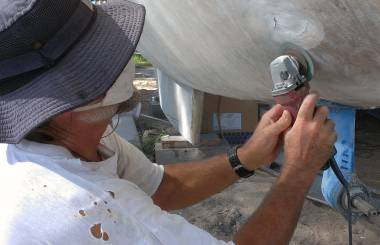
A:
(263, 147)
(309, 143)
(185, 184)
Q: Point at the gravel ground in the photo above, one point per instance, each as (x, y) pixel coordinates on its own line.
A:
(224, 213)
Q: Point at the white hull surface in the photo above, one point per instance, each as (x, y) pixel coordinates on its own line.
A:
(225, 46)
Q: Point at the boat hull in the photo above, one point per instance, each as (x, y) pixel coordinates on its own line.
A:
(225, 46)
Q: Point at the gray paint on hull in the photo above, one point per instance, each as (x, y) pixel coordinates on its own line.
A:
(225, 46)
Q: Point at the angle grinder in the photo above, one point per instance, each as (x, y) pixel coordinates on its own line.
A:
(291, 83)
(291, 73)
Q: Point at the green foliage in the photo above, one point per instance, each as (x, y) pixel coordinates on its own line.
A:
(149, 140)
(140, 60)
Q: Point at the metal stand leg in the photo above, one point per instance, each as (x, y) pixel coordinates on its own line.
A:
(332, 189)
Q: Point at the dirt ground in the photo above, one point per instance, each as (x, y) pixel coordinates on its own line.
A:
(368, 149)
(224, 213)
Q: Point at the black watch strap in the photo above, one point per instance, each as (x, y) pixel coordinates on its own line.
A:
(236, 164)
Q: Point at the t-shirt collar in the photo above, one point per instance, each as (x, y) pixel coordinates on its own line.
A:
(54, 151)
(48, 150)
(61, 154)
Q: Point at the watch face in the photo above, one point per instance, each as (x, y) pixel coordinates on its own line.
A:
(236, 164)
(249, 175)
(243, 172)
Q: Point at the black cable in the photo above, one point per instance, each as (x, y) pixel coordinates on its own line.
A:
(113, 127)
(335, 168)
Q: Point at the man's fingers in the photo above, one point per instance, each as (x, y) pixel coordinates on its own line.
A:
(306, 111)
(281, 124)
(321, 114)
(274, 113)
(330, 125)
(328, 131)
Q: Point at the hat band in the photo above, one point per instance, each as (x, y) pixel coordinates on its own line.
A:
(47, 55)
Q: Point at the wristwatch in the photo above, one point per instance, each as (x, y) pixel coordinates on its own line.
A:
(236, 164)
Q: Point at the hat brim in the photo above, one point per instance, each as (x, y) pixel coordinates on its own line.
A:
(86, 72)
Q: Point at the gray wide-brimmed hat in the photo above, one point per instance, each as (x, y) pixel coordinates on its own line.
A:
(56, 55)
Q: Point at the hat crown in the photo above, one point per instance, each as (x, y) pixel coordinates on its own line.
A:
(27, 24)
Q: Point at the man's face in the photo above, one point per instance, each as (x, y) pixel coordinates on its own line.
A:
(84, 123)
(105, 113)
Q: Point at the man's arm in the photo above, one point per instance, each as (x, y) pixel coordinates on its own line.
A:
(276, 218)
(185, 184)
(308, 145)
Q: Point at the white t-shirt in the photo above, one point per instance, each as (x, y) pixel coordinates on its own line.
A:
(51, 197)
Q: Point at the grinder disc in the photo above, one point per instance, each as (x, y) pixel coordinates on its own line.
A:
(303, 57)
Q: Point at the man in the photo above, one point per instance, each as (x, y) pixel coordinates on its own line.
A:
(67, 178)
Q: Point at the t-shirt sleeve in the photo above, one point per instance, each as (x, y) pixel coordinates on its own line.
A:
(134, 166)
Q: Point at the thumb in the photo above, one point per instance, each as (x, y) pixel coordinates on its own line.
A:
(281, 124)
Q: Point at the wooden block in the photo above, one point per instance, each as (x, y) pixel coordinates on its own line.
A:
(210, 139)
(174, 142)
(175, 155)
